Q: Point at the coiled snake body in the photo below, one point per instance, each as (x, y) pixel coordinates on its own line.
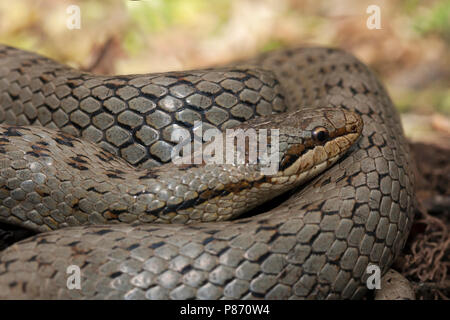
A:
(316, 244)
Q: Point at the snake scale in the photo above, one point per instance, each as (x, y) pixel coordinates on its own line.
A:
(315, 244)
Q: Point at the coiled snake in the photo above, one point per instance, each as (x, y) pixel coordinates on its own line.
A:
(317, 243)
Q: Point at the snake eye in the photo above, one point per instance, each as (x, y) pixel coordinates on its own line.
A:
(320, 134)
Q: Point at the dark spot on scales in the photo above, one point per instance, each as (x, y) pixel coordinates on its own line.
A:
(78, 159)
(115, 274)
(114, 176)
(13, 132)
(64, 142)
(34, 154)
(102, 232)
(35, 147)
(186, 269)
(148, 175)
(104, 156)
(207, 240)
(133, 246)
(156, 245)
(65, 139)
(78, 166)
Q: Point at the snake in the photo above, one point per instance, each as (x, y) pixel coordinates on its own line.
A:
(86, 165)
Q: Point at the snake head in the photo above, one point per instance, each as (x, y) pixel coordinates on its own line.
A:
(312, 140)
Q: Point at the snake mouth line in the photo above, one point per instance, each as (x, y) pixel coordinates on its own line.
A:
(308, 159)
(277, 200)
(296, 182)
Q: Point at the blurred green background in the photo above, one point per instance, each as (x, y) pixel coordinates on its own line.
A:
(410, 52)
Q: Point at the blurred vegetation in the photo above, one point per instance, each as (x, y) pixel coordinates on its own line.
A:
(435, 20)
(410, 52)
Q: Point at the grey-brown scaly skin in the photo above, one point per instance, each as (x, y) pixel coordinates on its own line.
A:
(53, 180)
(317, 244)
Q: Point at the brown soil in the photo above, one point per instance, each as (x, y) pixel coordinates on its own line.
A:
(426, 257)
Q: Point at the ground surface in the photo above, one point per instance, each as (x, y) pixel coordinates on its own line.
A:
(426, 257)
